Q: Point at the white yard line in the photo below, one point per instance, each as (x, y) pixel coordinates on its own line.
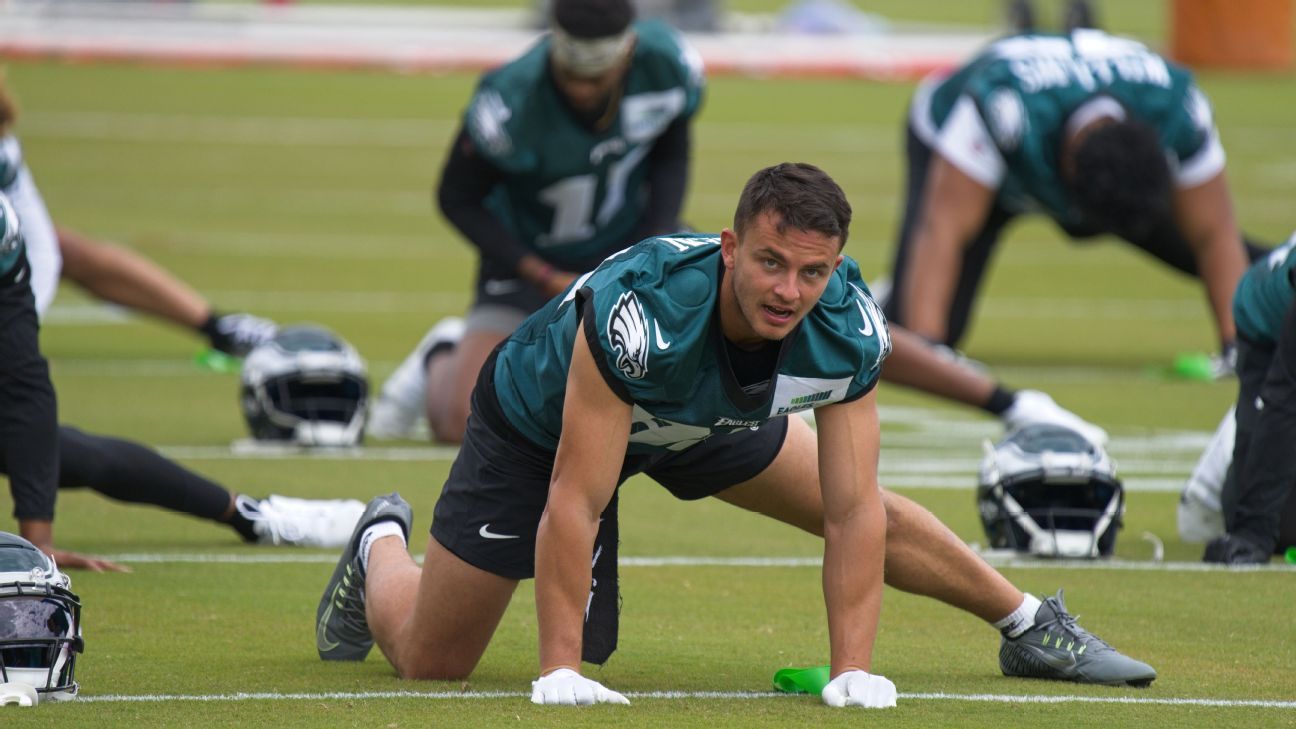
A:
(998, 559)
(691, 695)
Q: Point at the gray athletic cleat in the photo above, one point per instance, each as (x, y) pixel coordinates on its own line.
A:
(341, 630)
(1058, 648)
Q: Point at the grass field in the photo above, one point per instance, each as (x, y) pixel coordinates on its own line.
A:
(306, 197)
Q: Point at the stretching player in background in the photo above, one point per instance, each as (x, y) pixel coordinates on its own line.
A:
(574, 150)
(683, 358)
(1099, 133)
(112, 273)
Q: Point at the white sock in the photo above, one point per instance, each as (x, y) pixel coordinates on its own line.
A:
(385, 528)
(1020, 620)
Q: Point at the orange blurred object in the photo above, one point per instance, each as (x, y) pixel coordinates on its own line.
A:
(1254, 34)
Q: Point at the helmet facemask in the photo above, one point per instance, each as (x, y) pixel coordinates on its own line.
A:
(1048, 491)
(40, 622)
(305, 386)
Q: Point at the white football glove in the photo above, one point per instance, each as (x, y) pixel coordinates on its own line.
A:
(860, 688)
(1033, 406)
(568, 688)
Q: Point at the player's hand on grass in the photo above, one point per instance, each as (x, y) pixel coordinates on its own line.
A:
(568, 688)
(75, 561)
(860, 688)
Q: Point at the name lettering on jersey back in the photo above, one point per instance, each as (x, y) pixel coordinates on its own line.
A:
(1094, 60)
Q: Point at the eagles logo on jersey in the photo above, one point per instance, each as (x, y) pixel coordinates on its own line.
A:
(627, 332)
(488, 116)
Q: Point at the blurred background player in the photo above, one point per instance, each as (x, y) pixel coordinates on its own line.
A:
(571, 152)
(112, 273)
(1097, 132)
(1242, 494)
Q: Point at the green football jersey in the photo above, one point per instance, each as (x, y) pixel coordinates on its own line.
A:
(571, 193)
(1264, 294)
(1001, 118)
(655, 334)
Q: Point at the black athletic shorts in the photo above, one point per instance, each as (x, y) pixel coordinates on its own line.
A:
(491, 504)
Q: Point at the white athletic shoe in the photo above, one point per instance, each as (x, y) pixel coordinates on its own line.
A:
(1200, 515)
(1033, 406)
(401, 401)
(283, 520)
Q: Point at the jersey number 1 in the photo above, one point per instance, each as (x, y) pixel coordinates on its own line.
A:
(572, 200)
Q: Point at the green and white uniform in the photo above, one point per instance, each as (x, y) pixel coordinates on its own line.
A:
(572, 193)
(653, 327)
(649, 315)
(1001, 118)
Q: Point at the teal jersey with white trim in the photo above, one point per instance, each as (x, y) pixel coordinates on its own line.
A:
(571, 193)
(1264, 294)
(655, 334)
(1001, 118)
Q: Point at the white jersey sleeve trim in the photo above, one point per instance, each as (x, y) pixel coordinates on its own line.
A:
(1203, 166)
(920, 117)
(43, 254)
(967, 144)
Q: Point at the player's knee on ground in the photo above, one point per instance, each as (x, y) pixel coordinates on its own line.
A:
(418, 666)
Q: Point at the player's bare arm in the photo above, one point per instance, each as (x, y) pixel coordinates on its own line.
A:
(954, 207)
(915, 363)
(1205, 214)
(595, 430)
(854, 529)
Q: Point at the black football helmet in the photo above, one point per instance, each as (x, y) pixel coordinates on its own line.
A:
(305, 385)
(40, 621)
(1049, 491)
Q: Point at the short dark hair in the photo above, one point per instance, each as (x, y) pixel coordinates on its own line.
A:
(1121, 179)
(801, 195)
(593, 18)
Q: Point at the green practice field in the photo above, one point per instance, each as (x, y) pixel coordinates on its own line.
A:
(306, 196)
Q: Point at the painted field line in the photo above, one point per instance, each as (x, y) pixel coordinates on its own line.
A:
(672, 695)
(998, 560)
